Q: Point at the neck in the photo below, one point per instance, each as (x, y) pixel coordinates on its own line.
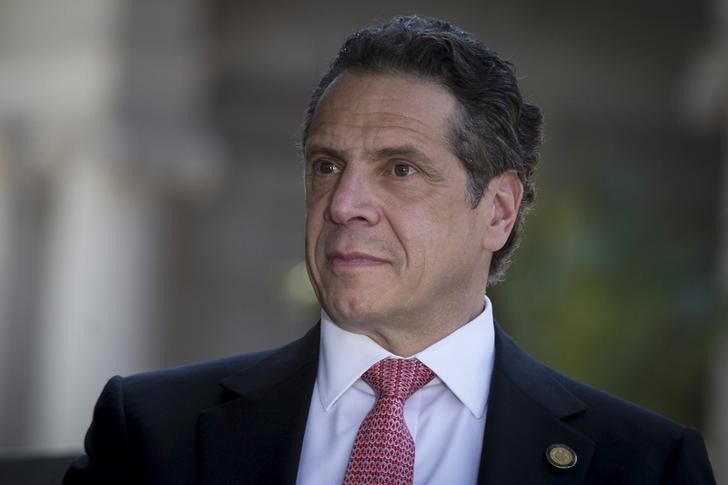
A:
(406, 339)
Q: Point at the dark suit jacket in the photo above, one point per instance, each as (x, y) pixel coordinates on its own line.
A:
(242, 419)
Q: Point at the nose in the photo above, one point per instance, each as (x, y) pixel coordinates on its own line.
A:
(353, 200)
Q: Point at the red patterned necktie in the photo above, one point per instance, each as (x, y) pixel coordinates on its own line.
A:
(384, 451)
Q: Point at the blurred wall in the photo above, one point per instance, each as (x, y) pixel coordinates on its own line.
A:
(151, 204)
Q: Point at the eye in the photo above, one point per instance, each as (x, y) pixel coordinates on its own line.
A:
(403, 170)
(325, 167)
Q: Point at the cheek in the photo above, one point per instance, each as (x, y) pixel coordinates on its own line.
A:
(316, 237)
(415, 235)
(313, 237)
(315, 208)
(437, 236)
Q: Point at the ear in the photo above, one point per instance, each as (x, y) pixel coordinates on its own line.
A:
(502, 198)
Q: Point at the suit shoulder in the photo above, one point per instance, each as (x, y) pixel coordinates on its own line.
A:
(645, 441)
(145, 424)
(198, 373)
(186, 389)
(199, 384)
(618, 412)
(189, 374)
(582, 403)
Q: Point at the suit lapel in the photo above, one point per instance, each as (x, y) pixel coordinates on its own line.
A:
(528, 410)
(256, 437)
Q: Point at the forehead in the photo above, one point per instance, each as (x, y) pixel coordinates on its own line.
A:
(376, 109)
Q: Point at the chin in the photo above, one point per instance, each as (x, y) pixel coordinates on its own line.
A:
(354, 312)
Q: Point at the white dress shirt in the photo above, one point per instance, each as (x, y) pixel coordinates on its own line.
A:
(446, 417)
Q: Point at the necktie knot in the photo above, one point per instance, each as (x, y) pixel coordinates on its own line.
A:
(397, 378)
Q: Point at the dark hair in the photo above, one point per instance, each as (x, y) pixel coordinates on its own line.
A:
(494, 130)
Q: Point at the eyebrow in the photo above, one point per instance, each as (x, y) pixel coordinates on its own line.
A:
(405, 151)
(323, 150)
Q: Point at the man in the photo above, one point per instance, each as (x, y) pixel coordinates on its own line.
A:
(418, 155)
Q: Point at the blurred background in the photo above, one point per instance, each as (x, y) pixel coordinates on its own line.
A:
(151, 200)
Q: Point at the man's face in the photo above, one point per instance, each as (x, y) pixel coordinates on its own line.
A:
(392, 241)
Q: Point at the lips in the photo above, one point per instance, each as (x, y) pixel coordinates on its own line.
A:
(353, 259)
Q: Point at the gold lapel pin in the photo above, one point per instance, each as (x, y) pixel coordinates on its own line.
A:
(561, 456)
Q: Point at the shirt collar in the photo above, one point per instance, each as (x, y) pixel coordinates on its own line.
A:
(463, 360)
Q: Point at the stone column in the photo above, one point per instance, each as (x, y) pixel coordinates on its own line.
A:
(19, 233)
(110, 94)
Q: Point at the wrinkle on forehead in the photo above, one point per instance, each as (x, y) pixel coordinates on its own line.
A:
(373, 105)
(339, 136)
